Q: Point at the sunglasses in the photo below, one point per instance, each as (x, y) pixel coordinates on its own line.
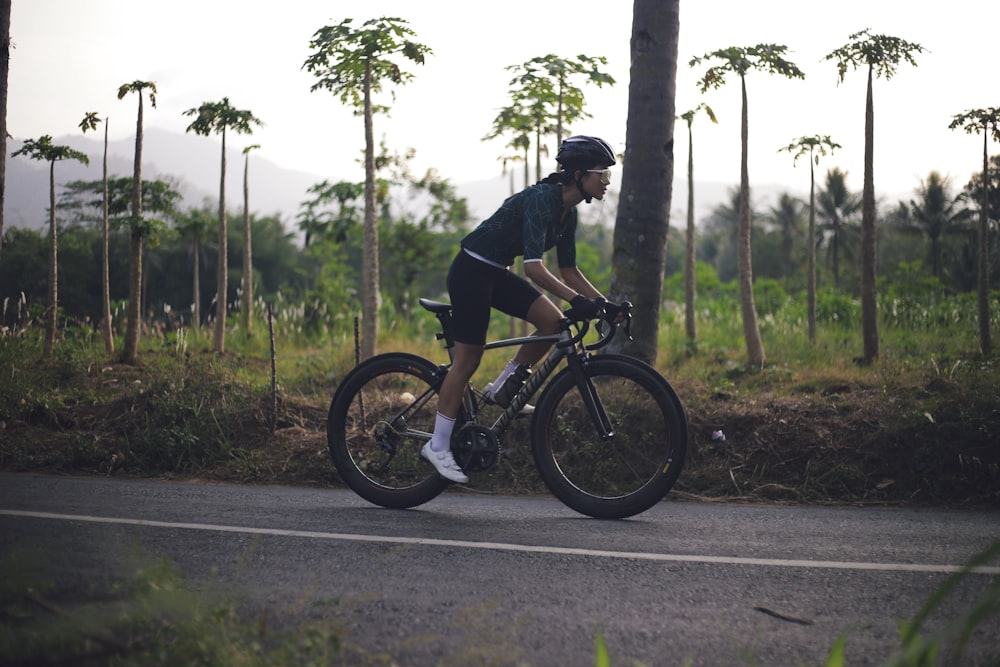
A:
(605, 175)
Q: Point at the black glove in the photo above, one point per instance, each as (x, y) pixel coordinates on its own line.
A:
(583, 308)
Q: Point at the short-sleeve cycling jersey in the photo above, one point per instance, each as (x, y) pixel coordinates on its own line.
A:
(527, 224)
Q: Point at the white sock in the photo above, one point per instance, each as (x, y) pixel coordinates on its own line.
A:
(504, 374)
(443, 426)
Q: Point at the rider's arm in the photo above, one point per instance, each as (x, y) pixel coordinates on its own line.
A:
(541, 276)
(574, 277)
(575, 282)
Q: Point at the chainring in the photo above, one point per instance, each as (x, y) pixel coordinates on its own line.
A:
(475, 448)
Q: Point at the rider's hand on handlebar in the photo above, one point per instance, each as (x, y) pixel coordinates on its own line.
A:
(616, 313)
(582, 308)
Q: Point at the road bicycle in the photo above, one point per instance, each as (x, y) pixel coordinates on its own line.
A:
(608, 433)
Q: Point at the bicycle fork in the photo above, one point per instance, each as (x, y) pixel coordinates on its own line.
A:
(595, 408)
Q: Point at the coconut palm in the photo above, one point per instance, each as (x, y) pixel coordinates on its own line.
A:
(43, 149)
(218, 117)
(881, 55)
(816, 146)
(767, 58)
(837, 210)
(935, 213)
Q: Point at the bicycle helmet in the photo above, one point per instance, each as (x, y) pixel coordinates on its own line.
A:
(583, 152)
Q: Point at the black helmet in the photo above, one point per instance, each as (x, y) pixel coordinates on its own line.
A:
(581, 151)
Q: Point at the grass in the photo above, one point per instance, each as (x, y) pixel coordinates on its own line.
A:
(921, 424)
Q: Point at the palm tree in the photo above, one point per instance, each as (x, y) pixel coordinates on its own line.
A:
(816, 146)
(4, 69)
(353, 64)
(767, 58)
(247, 244)
(90, 122)
(690, 286)
(137, 229)
(985, 121)
(935, 213)
(881, 54)
(194, 226)
(838, 208)
(218, 117)
(43, 149)
(786, 217)
(640, 238)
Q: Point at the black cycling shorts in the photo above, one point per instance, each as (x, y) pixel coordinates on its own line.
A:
(475, 286)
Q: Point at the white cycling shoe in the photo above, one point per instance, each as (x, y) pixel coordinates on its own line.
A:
(444, 463)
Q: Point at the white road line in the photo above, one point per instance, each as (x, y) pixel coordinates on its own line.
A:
(500, 546)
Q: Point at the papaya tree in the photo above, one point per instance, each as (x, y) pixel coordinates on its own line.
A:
(247, 305)
(881, 55)
(690, 285)
(218, 117)
(4, 69)
(985, 122)
(354, 64)
(544, 86)
(767, 58)
(815, 147)
(89, 122)
(137, 230)
(43, 149)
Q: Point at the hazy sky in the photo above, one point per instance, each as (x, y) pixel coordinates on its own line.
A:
(70, 57)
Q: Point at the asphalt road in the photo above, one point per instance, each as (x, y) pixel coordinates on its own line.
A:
(474, 580)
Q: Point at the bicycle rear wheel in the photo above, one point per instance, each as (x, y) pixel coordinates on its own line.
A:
(623, 475)
(381, 415)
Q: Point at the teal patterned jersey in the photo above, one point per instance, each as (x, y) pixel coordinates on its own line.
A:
(527, 224)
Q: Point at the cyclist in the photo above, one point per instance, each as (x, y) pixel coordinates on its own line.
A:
(527, 224)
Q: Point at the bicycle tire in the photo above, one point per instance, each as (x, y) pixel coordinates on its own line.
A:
(627, 474)
(380, 416)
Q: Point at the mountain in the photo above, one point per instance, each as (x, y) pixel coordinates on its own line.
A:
(192, 162)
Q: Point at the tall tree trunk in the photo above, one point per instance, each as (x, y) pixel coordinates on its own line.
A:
(196, 280)
(51, 312)
(811, 255)
(371, 299)
(4, 69)
(690, 288)
(869, 306)
(640, 237)
(983, 272)
(132, 328)
(247, 252)
(106, 331)
(751, 330)
(222, 283)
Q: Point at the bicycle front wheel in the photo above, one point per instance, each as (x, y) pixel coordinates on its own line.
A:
(621, 475)
(381, 415)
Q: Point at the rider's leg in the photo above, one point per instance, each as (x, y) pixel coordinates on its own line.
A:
(438, 449)
(545, 316)
(467, 358)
